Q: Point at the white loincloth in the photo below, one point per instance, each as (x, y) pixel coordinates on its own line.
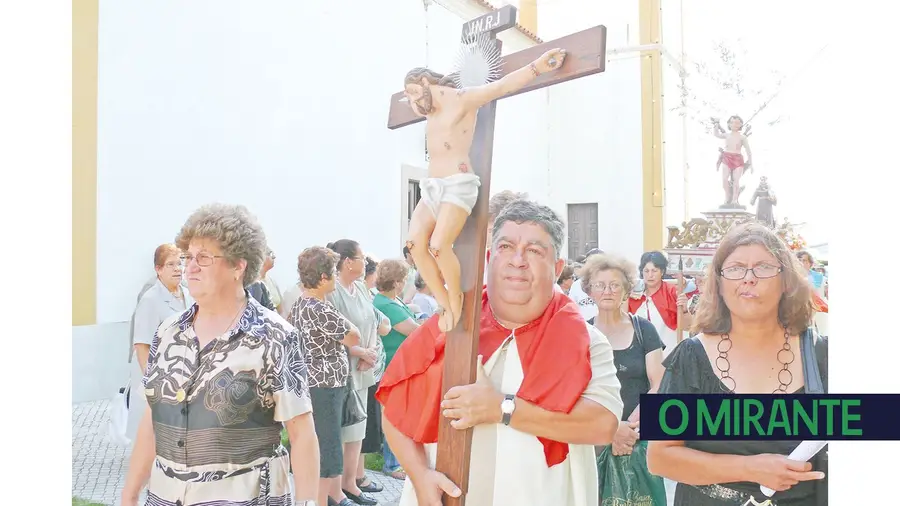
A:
(509, 467)
(459, 189)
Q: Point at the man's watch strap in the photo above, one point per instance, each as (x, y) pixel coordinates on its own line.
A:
(507, 407)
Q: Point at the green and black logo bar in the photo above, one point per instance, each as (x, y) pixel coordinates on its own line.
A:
(835, 417)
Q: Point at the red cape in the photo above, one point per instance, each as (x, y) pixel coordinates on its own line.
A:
(819, 303)
(555, 355)
(666, 301)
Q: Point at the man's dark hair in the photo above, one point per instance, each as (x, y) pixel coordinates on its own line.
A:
(653, 257)
(406, 251)
(522, 211)
(420, 283)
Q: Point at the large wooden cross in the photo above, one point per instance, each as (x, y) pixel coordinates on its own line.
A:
(585, 56)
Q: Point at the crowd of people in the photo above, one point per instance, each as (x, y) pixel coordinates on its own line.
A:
(348, 361)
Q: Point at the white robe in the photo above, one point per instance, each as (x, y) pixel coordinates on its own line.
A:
(668, 336)
(509, 467)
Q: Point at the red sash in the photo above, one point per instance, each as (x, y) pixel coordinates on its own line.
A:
(666, 301)
(554, 351)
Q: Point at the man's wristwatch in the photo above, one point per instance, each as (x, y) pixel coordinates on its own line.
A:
(507, 407)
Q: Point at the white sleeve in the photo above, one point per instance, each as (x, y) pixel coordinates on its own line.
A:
(146, 320)
(604, 387)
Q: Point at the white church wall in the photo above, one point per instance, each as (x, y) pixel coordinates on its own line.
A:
(282, 107)
(595, 126)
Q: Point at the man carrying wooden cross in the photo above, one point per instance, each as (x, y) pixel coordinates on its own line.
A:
(546, 389)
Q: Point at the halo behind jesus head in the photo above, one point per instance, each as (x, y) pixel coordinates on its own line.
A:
(478, 62)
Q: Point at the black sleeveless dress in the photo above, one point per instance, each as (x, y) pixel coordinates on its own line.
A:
(688, 371)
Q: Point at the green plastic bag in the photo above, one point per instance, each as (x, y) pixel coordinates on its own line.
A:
(625, 480)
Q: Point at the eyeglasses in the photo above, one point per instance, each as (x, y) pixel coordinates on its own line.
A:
(173, 265)
(203, 259)
(761, 271)
(601, 287)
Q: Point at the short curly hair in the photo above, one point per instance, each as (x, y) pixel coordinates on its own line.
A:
(389, 273)
(607, 262)
(315, 262)
(237, 231)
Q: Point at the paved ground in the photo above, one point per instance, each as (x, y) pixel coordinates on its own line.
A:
(98, 465)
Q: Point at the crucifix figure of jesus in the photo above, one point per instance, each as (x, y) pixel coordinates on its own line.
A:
(451, 221)
(451, 189)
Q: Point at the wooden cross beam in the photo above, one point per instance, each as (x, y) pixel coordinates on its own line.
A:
(585, 56)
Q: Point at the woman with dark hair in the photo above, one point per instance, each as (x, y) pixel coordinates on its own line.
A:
(369, 277)
(352, 298)
(325, 334)
(753, 338)
(659, 301)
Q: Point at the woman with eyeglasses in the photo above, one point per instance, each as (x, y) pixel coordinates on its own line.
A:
(752, 325)
(162, 299)
(222, 380)
(637, 352)
(353, 300)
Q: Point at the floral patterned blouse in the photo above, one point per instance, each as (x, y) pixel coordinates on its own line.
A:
(322, 330)
(217, 412)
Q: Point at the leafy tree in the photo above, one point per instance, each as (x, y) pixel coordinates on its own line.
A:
(720, 84)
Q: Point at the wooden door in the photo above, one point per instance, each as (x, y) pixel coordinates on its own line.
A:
(582, 229)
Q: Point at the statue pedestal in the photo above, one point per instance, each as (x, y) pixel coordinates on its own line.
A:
(733, 215)
(694, 243)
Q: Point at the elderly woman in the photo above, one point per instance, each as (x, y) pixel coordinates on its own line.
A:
(162, 299)
(752, 322)
(328, 337)
(221, 379)
(353, 300)
(637, 352)
(659, 301)
(391, 279)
